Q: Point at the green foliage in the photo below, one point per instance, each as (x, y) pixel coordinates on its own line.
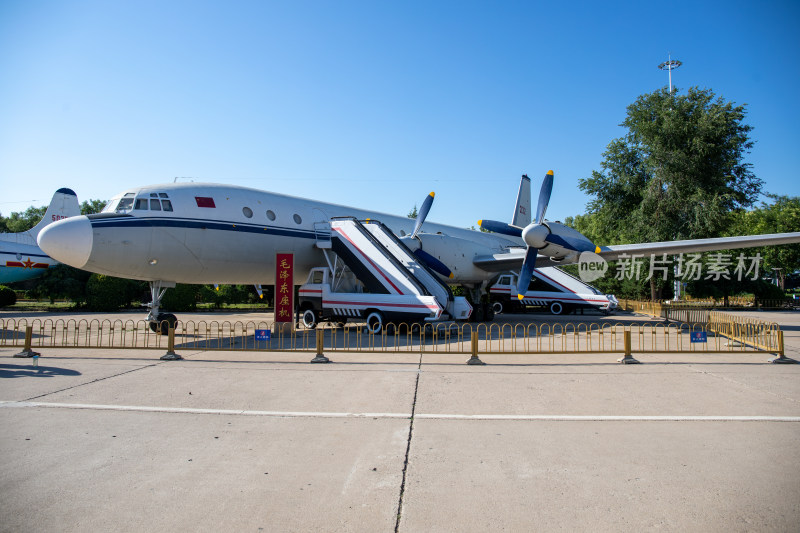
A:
(764, 290)
(62, 281)
(628, 287)
(107, 293)
(677, 174)
(24, 221)
(182, 297)
(782, 215)
(7, 296)
(413, 213)
(232, 294)
(89, 207)
(721, 289)
(27, 219)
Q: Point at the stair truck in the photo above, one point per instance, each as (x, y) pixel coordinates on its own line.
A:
(373, 276)
(550, 288)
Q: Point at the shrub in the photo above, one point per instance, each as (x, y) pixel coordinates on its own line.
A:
(764, 290)
(107, 293)
(62, 281)
(180, 298)
(7, 296)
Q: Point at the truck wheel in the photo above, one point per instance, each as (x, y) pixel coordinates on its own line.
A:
(375, 322)
(556, 308)
(498, 307)
(309, 318)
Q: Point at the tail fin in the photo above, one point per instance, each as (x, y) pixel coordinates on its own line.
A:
(64, 204)
(522, 211)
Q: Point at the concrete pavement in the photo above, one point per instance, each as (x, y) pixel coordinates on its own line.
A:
(120, 441)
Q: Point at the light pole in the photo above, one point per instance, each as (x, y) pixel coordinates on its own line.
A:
(669, 66)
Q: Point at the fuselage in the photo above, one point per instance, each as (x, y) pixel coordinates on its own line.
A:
(21, 259)
(210, 233)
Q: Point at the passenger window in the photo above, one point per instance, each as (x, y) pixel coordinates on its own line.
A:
(155, 205)
(246, 211)
(141, 203)
(270, 214)
(297, 219)
(166, 204)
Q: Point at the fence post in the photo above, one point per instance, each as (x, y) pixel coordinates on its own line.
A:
(27, 351)
(474, 348)
(781, 359)
(627, 359)
(320, 357)
(171, 355)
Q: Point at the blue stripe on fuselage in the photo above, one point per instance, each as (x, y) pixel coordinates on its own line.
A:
(45, 256)
(194, 223)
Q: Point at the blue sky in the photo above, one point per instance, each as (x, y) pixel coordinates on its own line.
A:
(372, 104)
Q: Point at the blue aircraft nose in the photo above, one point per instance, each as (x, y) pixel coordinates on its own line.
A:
(68, 241)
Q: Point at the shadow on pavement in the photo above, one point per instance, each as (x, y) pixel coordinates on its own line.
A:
(20, 371)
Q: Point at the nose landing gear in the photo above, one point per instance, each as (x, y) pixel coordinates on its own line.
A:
(160, 322)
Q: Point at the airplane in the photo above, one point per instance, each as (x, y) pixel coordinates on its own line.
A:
(221, 234)
(20, 257)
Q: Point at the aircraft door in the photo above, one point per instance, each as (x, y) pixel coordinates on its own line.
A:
(322, 225)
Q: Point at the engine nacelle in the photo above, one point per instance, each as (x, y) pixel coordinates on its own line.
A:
(455, 253)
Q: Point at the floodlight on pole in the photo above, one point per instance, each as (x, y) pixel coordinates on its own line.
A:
(669, 66)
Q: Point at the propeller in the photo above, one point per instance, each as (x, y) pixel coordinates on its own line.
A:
(536, 235)
(430, 261)
(423, 213)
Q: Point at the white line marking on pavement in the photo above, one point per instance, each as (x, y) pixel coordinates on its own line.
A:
(192, 410)
(430, 416)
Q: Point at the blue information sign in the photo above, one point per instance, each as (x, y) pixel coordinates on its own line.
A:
(263, 334)
(699, 336)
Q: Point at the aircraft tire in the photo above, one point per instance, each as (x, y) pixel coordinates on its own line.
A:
(165, 321)
(375, 322)
(309, 319)
(557, 308)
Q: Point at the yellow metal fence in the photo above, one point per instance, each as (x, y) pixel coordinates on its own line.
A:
(719, 332)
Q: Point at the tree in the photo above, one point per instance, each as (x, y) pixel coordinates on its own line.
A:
(24, 221)
(109, 293)
(89, 207)
(413, 213)
(678, 173)
(62, 281)
(782, 215)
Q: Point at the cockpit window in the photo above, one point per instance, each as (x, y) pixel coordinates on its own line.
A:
(149, 201)
(125, 204)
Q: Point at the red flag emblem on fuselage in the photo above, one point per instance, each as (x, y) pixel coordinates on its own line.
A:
(204, 201)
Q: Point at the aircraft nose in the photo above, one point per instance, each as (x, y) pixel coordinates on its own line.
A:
(68, 241)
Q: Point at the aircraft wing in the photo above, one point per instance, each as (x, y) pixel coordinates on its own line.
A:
(512, 259)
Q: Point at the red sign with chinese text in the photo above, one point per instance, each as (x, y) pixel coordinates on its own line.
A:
(284, 287)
